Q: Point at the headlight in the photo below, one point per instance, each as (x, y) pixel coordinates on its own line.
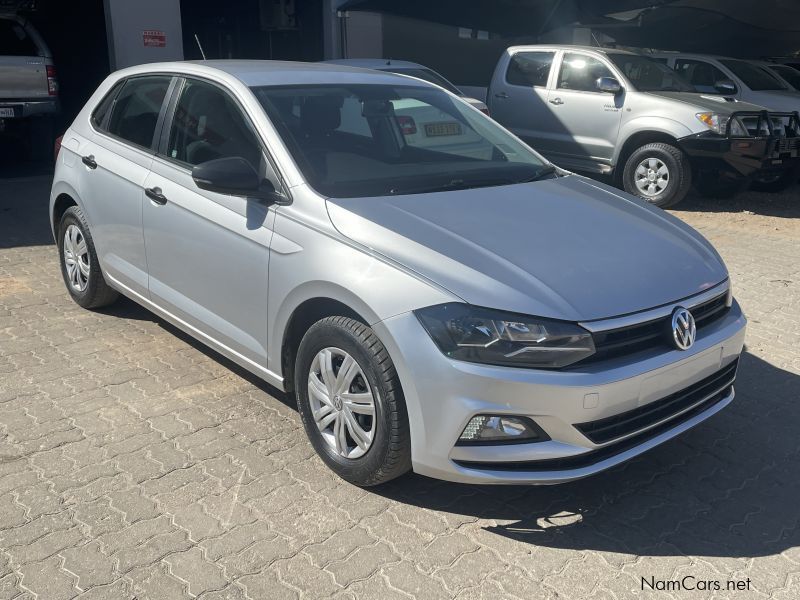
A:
(481, 335)
(719, 123)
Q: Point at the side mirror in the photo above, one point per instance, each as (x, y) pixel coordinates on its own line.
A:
(726, 86)
(609, 85)
(237, 177)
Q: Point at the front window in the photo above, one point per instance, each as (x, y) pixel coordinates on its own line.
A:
(374, 140)
(429, 76)
(753, 77)
(580, 72)
(648, 75)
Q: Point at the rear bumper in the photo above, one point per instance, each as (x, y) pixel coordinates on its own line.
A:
(24, 108)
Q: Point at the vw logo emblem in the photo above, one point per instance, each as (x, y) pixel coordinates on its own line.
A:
(684, 329)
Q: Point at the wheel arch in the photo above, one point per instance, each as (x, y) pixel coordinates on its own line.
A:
(62, 197)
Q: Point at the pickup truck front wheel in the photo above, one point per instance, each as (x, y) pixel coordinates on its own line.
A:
(658, 173)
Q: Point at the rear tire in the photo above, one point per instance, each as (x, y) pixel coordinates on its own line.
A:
(658, 173)
(367, 405)
(79, 266)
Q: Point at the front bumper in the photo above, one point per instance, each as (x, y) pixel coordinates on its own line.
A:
(750, 156)
(442, 395)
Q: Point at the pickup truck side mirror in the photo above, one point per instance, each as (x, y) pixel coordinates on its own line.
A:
(237, 177)
(609, 85)
(726, 86)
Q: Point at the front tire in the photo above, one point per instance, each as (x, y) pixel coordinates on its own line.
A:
(79, 265)
(351, 402)
(658, 173)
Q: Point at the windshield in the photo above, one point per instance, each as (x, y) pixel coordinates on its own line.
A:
(648, 75)
(790, 75)
(374, 140)
(431, 76)
(754, 77)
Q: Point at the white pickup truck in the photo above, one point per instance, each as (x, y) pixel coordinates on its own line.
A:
(28, 86)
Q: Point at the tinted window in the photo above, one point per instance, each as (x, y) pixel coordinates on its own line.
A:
(14, 40)
(208, 124)
(374, 140)
(135, 112)
(432, 76)
(792, 76)
(104, 108)
(530, 68)
(647, 75)
(753, 77)
(700, 74)
(580, 72)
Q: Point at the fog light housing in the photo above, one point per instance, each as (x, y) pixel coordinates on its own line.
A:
(500, 429)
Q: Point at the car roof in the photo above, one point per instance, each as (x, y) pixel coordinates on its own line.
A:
(569, 47)
(380, 64)
(255, 73)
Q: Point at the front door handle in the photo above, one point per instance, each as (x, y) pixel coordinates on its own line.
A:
(89, 161)
(502, 95)
(154, 193)
(556, 101)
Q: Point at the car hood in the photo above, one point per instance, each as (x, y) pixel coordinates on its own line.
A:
(566, 248)
(709, 102)
(777, 100)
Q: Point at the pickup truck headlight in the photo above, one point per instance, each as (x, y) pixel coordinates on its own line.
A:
(719, 123)
(481, 335)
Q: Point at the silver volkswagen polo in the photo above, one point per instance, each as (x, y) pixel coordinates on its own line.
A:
(461, 308)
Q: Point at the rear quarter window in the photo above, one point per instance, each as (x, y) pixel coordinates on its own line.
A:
(135, 109)
(15, 41)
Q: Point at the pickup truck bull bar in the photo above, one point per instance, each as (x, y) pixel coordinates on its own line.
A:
(766, 117)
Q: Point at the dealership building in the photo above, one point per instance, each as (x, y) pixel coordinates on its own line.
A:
(460, 38)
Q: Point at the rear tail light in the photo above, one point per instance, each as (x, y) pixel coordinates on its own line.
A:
(57, 147)
(407, 125)
(52, 82)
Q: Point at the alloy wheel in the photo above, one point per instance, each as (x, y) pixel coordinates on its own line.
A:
(651, 177)
(76, 258)
(342, 403)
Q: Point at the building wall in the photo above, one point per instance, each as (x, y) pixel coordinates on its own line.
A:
(126, 24)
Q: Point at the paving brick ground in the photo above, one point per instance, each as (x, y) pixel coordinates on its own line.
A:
(134, 463)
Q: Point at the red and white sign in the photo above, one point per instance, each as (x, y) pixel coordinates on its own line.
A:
(152, 38)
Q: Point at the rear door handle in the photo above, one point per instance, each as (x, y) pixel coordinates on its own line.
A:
(89, 161)
(556, 101)
(501, 95)
(154, 193)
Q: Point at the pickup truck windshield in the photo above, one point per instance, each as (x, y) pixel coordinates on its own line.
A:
(648, 75)
(375, 140)
(752, 76)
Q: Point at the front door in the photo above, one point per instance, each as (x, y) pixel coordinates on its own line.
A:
(588, 119)
(208, 253)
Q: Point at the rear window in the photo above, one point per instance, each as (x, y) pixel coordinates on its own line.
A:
(15, 41)
(136, 108)
(753, 77)
(530, 68)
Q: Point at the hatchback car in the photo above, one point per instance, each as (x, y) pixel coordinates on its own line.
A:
(490, 319)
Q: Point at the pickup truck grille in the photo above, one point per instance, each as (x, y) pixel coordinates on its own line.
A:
(614, 343)
(605, 430)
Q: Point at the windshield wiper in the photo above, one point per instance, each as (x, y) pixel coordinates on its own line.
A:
(541, 174)
(453, 184)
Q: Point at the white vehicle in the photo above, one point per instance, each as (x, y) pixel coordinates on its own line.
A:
(733, 77)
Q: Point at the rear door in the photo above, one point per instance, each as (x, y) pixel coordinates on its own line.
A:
(115, 163)
(518, 98)
(23, 69)
(586, 120)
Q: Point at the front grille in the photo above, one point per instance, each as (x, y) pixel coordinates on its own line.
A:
(651, 334)
(587, 459)
(787, 145)
(611, 428)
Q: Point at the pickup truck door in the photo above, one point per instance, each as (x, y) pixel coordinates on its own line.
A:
(587, 120)
(518, 97)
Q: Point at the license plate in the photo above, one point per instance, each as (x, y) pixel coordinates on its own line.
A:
(440, 129)
(7, 113)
